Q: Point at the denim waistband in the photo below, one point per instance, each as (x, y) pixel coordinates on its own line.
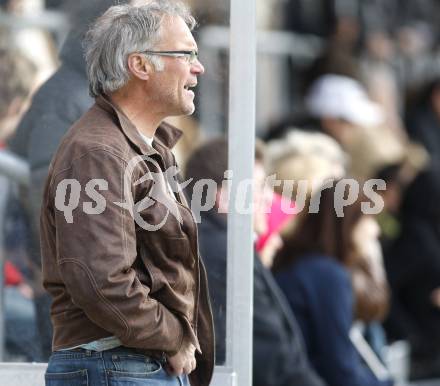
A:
(78, 353)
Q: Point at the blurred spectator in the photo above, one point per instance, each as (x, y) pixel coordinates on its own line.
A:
(314, 158)
(370, 286)
(34, 42)
(371, 149)
(413, 260)
(346, 113)
(335, 105)
(280, 212)
(275, 328)
(272, 212)
(368, 274)
(312, 269)
(311, 157)
(342, 105)
(17, 78)
(332, 61)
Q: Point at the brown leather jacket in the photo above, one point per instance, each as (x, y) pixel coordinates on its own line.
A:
(107, 273)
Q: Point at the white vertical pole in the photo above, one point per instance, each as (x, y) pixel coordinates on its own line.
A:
(241, 135)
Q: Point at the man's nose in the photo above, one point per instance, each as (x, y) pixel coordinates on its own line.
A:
(197, 67)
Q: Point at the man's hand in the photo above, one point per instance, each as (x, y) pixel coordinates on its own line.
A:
(184, 362)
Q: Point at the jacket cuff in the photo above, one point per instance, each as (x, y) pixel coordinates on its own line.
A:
(187, 331)
(179, 338)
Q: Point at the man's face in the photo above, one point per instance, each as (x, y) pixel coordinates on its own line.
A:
(171, 87)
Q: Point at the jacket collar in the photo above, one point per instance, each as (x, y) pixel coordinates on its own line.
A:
(166, 134)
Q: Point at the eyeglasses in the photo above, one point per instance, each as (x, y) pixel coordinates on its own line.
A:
(190, 56)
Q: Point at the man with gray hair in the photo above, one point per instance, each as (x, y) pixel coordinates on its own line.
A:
(119, 243)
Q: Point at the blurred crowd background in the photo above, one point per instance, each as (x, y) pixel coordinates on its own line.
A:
(345, 89)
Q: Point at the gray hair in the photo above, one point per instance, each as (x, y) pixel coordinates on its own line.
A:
(120, 31)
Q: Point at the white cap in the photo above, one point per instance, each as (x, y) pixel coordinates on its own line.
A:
(336, 96)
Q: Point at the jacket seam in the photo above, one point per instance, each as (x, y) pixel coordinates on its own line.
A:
(98, 292)
(94, 149)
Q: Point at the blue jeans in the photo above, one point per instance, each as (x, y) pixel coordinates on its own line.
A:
(120, 366)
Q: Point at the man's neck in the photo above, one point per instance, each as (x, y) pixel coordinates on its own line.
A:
(134, 107)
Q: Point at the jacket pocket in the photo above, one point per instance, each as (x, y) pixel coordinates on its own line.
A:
(170, 264)
(161, 253)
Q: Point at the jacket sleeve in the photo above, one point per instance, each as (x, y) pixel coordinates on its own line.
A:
(97, 249)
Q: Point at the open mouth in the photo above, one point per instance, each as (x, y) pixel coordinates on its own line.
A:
(188, 87)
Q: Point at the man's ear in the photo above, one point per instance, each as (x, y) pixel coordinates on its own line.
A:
(139, 66)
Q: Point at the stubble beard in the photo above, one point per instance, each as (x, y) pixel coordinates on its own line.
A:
(189, 109)
(179, 104)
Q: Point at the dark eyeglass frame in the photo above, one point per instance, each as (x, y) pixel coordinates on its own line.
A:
(190, 55)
